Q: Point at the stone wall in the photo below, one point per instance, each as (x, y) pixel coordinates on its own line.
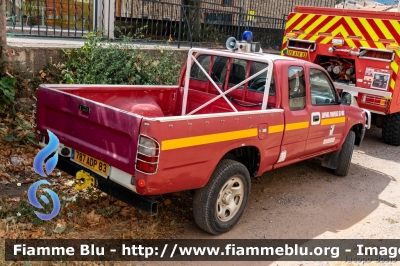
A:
(31, 60)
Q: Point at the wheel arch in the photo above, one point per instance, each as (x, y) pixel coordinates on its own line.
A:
(249, 156)
(358, 130)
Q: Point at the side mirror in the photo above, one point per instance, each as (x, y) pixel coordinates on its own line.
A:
(347, 98)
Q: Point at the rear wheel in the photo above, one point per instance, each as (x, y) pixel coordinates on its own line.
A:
(218, 206)
(391, 129)
(346, 152)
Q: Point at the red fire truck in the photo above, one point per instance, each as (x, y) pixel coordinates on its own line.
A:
(234, 115)
(360, 50)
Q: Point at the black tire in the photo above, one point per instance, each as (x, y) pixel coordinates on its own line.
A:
(217, 195)
(391, 129)
(346, 152)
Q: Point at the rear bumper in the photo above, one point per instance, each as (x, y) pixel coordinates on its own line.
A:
(117, 191)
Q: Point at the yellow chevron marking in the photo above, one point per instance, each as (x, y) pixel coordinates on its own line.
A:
(395, 67)
(330, 121)
(275, 129)
(353, 26)
(369, 29)
(207, 139)
(326, 27)
(365, 44)
(383, 28)
(304, 22)
(344, 33)
(292, 20)
(294, 126)
(395, 25)
(392, 83)
(372, 33)
(316, 23)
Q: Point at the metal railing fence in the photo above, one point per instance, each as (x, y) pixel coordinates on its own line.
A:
(192, 22)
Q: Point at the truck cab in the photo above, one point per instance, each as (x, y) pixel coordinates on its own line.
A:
(360, 51)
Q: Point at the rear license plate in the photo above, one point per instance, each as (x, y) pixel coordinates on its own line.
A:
(98, 166)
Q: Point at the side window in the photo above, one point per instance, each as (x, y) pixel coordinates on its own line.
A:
(257, 84)
(196, 72)
(297, 88)
(238, 72)
(322, 90)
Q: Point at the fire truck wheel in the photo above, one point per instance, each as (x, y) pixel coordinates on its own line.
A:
(391, 129)
(345, 155)
(218, 206)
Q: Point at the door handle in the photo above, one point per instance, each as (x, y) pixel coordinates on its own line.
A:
(315, 118)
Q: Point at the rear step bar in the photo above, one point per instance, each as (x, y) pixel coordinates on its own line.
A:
(140, 202)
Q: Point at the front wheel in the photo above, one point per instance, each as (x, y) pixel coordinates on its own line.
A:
(346, 152)
(218, 206)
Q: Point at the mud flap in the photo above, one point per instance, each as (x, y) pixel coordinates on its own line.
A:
(331, 160)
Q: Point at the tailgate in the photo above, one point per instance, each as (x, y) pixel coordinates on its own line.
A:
(103, 132)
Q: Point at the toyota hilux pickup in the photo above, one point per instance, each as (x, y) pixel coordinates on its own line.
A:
(234, 115)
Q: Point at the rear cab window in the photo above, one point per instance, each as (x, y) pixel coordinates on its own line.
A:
(228, 72)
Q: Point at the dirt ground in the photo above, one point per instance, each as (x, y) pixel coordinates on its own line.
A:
(301, 201)
(306, 201)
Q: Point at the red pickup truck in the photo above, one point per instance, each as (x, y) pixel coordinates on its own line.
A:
(233, 116)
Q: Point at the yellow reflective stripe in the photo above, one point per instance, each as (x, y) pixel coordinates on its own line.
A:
(365, 44)
(371, 33)
(329, 24)
(383, 29)
(369, 29)
(336, 120)
(326, 40)
(294, 126)
(275, 129)
(207, 139)
(316, 23)
(304, 22)
(353, 27)
(395, 25)
(292, 20)
(392, 83)
(395, 67)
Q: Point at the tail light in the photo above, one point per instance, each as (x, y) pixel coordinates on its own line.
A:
(147, 155)
(374, 100)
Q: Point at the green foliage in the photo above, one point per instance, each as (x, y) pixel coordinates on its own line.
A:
(7, 92)
(104, 62)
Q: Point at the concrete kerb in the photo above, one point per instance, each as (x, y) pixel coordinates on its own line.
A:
(33, 54)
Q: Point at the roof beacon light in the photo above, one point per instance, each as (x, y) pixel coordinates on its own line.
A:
(246, 45)
(247, 36)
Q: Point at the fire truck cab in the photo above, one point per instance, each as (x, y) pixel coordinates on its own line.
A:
(360, 51)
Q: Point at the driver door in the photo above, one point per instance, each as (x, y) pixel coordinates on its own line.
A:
(327, 119)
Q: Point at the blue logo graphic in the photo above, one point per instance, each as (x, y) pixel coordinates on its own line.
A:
(33, 200)
(49, 166)
(44, 153)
